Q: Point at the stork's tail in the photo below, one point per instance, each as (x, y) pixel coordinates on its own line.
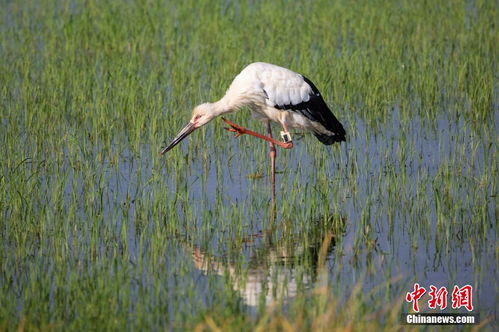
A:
(334, 126)
(330, 139)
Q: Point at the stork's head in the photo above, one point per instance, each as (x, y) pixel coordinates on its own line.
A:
(201, 115)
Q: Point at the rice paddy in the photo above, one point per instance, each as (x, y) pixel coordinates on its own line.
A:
(99, 232)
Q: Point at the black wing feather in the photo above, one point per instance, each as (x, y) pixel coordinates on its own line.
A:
(316, 109)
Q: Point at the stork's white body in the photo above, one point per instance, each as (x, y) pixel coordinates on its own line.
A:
(274, 94)
(261, 86)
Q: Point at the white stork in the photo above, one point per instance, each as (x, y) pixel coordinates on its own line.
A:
(275, 94)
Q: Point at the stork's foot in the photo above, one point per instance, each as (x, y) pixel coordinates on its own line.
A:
(235, 128)
(240, 131)
(286, 145)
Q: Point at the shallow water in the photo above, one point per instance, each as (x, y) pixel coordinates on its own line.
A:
(404, 201)
(387, 185)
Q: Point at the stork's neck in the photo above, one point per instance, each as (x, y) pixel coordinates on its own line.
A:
(221, 107)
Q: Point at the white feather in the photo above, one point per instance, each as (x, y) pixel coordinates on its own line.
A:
(295, 96)
(262, 87)
(282, 86)
(305, 93)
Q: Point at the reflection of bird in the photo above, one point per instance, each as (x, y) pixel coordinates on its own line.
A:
(273, 94)
(277, 265)
(270, 283)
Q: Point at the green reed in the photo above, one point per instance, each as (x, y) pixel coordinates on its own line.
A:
(95, 224)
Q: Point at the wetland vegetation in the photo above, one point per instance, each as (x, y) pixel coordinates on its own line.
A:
(99, 232)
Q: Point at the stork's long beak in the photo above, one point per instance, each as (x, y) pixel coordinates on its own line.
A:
(189, 128)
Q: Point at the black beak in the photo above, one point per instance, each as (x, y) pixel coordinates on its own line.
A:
(181, 135)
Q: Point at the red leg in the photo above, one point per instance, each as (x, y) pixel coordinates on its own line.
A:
(272, 153)
(240, 131)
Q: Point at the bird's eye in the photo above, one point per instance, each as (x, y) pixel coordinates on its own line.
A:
(197, 117)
